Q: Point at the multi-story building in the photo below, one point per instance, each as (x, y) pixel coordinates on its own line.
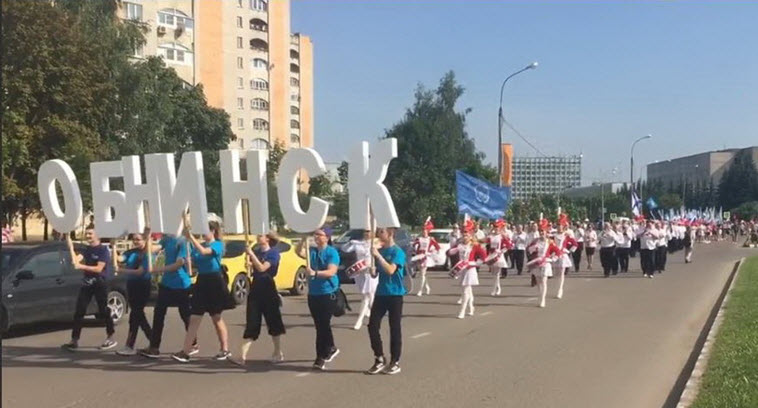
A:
(701, 167)
(545, 175)
(243, 54)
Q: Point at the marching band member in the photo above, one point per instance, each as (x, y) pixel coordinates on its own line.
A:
(423, 248)
(662, 248)
(579, 237)
(497, 245)
(624, 246)
(608, 240)
(566, 243)
(543, 252)
(361, 272)
(590, 243)
(648, 238)
(688, 241)
(519, 248)
(453, 238)
(471, 256)
(532, 235)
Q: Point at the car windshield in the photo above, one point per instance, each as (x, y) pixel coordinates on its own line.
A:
(348, 236)
(9, 258)
(441, 237)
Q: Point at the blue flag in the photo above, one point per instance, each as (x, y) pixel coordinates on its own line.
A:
(479, 198)
(651, 204)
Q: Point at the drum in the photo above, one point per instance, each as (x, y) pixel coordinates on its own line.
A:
(458, 269)
(356, 268)
(492, 258)
(418, 258)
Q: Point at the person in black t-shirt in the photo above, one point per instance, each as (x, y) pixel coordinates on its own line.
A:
(93, 262)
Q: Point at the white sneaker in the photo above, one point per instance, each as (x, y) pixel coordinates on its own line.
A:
(127, 351)
(650, 276)
(428, 290)
(459, 301)
(461, 315)
(277, 358)
(560, 294)
(358, 325)
(419, 293)
(542, 304)
(498, 292)
(471, 312)
(493, 293)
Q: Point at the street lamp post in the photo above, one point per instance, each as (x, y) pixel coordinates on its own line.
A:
(500, 119)
(631, 160)
(602, 199)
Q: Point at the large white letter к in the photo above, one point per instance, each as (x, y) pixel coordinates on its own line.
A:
(366, 175)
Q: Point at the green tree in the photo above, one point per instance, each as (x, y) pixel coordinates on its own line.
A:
(670, 200)
(739, 184)
(432, 144)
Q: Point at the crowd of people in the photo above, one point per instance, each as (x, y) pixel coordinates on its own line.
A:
(542, 249)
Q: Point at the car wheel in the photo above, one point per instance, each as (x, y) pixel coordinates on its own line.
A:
(300, 285)
(4, 326)
(117, 306)
(241, 288)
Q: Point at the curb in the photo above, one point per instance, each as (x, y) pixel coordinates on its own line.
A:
(692, 387)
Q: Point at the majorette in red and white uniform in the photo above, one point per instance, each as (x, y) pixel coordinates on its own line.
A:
(471, 256)
(497, 245)
(567, 245)
(546, 252)
(424, 247)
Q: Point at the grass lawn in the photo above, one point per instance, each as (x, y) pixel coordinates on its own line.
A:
(731, 378)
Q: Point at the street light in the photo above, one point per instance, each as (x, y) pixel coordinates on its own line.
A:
(631, 167)
(602, 198)
(500, 120)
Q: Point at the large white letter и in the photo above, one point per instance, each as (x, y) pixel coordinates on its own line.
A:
(109, 205)
(294, 160)
(187, 190)
(137, 193)
(254, 189)
(366, 175)
(50, 172)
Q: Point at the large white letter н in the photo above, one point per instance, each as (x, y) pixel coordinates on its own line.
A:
(366, 175)
(50, 172)
(254, 189)
(294, 160)
(137, 193)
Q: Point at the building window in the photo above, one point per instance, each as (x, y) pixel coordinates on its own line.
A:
(260, 5)
(294, 69)
(259, 84)
(239, 62)
(239, 3)
(175, 53)
(240, 83)
(295, 97)
(259, 63)
(294, 124)
(258, 104)
(139, 52)
(258, 25)
(239, 22)
(240, 123)
(133, 11)
(174, 18)
(239, 42)
(240, 103)
(294, 139)
(260, 144)
(294, 82)
(260, 124)
(294, 110)
(259, 45)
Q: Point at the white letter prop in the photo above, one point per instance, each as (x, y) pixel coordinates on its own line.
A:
(254, 189)
(365, 185)
(50, 172)
(294, 160)
(104, 199)
(137, 193)
(189, 191)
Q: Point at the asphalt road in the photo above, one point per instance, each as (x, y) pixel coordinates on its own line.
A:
(617, 342)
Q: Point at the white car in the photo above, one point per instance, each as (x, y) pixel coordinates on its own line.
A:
(442, 236)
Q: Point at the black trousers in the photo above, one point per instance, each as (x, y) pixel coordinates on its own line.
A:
(608, 260)
(100, 291)
(138, 292)
(577, 256)
(394, 306)
(518, 259)
(660, 258)
(321, 308)
(647, 261)
(263, 302)
(635, 248)
(623, 256)
(167, 297)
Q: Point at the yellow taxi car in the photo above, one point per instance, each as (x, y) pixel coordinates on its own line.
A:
(292, 276)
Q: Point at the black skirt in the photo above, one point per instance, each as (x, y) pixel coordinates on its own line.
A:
(210, 295)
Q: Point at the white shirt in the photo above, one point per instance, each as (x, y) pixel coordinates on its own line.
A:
(579, 235)
(648, 238)
(591, 239)
(625, 239)
(480, 235)
(453, 238)
(520, 240)
(608, 239)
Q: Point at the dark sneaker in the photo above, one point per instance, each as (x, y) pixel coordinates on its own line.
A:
(194, 350)
(181, 357)
(333, 353)
(319, 364)
(70, 346)
(393, 368)
(377, 367)
(223, 355)
(108, 344)
(150, 352)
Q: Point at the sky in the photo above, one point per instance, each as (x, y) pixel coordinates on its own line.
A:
(609, 72)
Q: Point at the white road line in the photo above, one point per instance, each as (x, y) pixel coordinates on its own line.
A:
(302, 374)
(531, 299)
(487, 313)
(420, 335)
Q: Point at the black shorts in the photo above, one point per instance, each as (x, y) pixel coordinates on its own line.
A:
(210, 295)
(263, 302)
(590, 250)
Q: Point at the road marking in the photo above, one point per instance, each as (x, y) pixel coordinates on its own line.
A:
(420, 335)
(532, 298)
(487, 313)
(302, 374)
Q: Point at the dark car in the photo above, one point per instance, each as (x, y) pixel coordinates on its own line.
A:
(402, 239)
(40, 284)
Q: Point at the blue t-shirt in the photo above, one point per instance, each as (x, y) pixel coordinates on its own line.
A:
(320, 260)
(94, 254)
(174, 249)
(271, 256)
(136, 259)
(391, 285)
(207, 264)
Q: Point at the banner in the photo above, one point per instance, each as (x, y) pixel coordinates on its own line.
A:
(651, 204)
(507, 176)
(636, 204)
(480, 198)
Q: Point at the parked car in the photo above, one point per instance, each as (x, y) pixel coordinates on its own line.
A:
(291, 277)
(442, 236)
(402, 239)
(40, 284)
